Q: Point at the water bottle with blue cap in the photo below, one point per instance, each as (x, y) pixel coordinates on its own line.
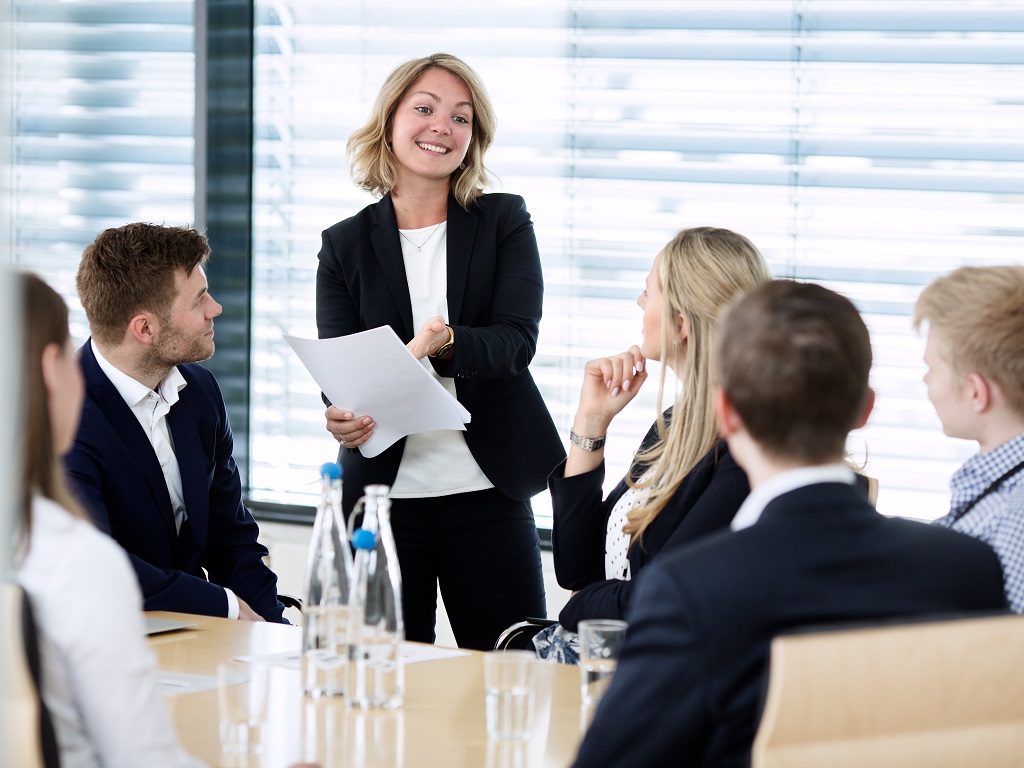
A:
(376, 672)
(328, 582)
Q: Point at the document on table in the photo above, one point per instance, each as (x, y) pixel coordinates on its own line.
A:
(179, 683)
(373, 373)
(158, 626)
(411, 653)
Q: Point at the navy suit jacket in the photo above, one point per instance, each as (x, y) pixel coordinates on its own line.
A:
(690, 679)
(495, 297)
(115, 473)
(706, 501)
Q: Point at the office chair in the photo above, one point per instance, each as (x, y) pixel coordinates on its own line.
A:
(932, 694)
(519, 637)
(30, 742)
(290, 601)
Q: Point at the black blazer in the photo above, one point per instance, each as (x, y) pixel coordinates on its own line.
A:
(116, 475)
(705, 501)
(688, 686)
(495, 297)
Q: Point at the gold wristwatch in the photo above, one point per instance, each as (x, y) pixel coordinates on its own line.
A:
(445, 348)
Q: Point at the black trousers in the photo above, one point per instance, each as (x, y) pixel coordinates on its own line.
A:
(483, 550)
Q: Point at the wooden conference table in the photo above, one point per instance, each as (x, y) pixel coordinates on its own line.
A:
(441, 724)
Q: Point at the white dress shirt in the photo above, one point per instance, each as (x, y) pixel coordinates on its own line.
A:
(784, 482)
(439, 462)
(151, 407)
(98, 675)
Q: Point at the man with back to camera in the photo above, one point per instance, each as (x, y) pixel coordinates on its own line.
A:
(806, 548)
(152, 458)
(975, 378)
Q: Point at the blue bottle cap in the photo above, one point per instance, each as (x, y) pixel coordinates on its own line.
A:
(331, 470)
(363, 539)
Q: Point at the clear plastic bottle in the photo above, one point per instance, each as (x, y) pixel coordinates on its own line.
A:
(376, 672)
(328, 582)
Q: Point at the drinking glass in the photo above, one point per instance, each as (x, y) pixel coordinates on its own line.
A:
(242, 696)
(600, 642)
(509, 678)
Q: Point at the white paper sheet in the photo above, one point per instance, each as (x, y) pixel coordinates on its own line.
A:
(372, 373)
(159, 626)
(411, 653)
(179, 683)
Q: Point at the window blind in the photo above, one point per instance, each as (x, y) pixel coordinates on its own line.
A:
(103, 108)
(869, 146)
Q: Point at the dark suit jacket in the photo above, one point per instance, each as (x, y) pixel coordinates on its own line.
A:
(495, 293)
(689, 681)
(705, 501)
(115, 473)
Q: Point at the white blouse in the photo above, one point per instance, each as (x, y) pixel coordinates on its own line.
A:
(98, 675)
(439, 462)
(616, 543)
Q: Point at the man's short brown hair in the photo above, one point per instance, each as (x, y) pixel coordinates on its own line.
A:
(794, 360)
(130, 269)
(978, 313)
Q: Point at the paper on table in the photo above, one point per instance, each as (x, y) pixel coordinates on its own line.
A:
(411, 653)
(178, 683)
(372, 373)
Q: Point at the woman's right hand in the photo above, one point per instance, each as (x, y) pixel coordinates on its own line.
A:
(349, 430)
(609, 384)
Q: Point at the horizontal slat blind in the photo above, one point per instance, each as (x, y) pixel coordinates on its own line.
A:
(869, 146)
(103, 134)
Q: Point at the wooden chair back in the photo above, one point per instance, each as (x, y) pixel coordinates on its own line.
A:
(927, 695)
(19, 713)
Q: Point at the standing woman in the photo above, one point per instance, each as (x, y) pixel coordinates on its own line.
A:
(456, 273)
(683, 483)
(98, 675)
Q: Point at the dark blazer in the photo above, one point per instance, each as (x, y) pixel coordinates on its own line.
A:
(690, 678)
(495, 296)
(116, 475)
(705, 501)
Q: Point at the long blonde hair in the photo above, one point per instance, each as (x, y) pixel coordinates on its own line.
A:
(373, 162)
(44, 322)
(700, 272)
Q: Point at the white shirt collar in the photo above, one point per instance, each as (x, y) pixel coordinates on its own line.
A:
(784, 482)
(133, 391)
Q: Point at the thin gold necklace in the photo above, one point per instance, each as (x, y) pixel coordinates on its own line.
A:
(419, 246)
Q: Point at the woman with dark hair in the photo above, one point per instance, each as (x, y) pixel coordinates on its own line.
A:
(98, 677)
(456, 274)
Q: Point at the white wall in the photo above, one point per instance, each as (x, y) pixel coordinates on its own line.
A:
(288, 545)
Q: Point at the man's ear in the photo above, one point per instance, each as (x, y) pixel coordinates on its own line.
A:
(729, 421)
(980, 391)
(869, 406)
(143, 327)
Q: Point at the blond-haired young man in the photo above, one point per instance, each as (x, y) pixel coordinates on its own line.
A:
(975, 378)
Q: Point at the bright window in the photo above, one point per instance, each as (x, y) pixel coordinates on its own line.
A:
(103, 127)
(869, 146)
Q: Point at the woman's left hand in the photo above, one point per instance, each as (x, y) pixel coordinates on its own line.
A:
(431, 338)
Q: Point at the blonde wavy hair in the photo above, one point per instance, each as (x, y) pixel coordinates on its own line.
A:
(372, 161)
(700, 272)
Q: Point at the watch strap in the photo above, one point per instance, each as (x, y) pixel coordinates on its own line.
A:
(446, 347)
(587, 443)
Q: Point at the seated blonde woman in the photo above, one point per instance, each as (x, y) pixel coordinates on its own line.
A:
(683, 483)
